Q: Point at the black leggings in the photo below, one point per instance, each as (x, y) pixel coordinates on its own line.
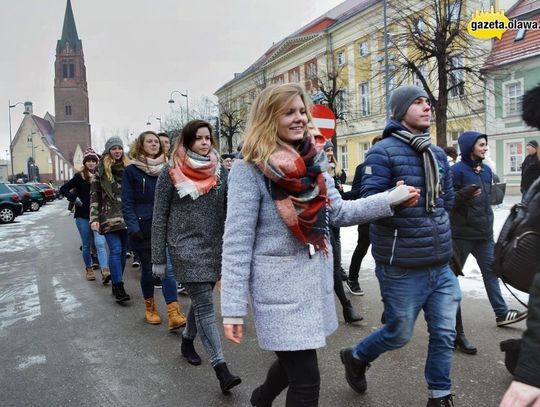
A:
(338, 284)
(359, 252)
(297, 370)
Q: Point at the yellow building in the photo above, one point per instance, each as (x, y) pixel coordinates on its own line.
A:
(347, 44)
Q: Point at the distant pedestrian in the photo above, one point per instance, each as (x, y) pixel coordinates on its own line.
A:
(227, 161)
(189, 217)
(138, 190)
(472, 227)
(165, 142)
(452, 154)
(530, 168)
(77, 191)
(411, 249)
(276, 253)
(106, 211)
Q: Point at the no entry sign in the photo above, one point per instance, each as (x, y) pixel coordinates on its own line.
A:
(324, 119)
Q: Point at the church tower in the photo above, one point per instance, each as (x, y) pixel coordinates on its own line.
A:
(72, 127)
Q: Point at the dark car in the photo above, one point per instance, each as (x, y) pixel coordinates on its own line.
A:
(49, 192)
(24, 196)
(10, 207)
(36, 196)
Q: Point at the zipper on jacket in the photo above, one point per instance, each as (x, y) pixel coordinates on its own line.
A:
(394, 246)
(143, 184)
(435, 237)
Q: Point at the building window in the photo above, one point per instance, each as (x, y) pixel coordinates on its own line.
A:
(64, 71)
(71, 70)
(422, 73)
(311, 70)
(520, 34)
(419, 26)
(454, 135)
(364, 99)
(68, 110)
(391, 78)
(456, 76)
(342, 104)
(363, 48)
(512, 96)
(514, 156)
(294, 75)
(364, 148)
(344, 157)
(389, 39)
(341, 58)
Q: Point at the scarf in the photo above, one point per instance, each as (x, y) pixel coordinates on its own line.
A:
(151, 166)
(194, 174)
(421, 143)
(298, 189)
(117, 170)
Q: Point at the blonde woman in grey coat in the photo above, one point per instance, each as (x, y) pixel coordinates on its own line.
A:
(276, 252)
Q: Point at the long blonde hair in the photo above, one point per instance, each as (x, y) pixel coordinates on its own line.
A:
(108, 161)
(261, 138)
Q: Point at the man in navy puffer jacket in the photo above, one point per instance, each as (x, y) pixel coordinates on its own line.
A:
(412, 249)
(472, 222)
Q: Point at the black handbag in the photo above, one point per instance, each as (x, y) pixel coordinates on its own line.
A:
(498, 191)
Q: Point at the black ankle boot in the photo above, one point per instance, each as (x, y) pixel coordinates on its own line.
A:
(445, 401)
(188, 351)
(119, 293)
(462, 344)
(355, 370)
(226, 380)
(349, 314)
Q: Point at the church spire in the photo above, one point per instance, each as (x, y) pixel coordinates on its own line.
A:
(69, 31)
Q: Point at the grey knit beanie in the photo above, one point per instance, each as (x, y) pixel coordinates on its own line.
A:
(402, 98)
(112, 142)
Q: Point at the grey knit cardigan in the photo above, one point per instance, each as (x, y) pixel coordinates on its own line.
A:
(191, 229)
(291, 293)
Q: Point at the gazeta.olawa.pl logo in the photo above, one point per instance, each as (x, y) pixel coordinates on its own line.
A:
(493, 24)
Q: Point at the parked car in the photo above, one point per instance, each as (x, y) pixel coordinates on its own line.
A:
(49, 192)
(10, 207)
(24, 196)
(37, 197)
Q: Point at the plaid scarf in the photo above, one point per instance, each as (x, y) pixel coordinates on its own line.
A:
(299, 190)
(421, 143)
(194, 174)
(151, 166)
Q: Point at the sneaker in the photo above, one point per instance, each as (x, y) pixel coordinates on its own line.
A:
(353, 287)
(136, 263)
(128, 255)
(343, 274)
(181, 289)
(511, 317)
(157, 282)
(355, 370)
(446, 401)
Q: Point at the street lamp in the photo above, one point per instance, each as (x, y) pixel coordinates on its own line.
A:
(10, 106)
(148, 123)
(186, 95)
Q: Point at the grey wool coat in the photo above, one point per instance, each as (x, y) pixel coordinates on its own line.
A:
(291, 293)
(191, 229)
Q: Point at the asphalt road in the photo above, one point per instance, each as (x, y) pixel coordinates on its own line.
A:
(65, 342)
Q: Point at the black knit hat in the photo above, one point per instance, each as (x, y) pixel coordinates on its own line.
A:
(533, 143)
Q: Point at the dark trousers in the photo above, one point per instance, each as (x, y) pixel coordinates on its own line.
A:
(297, 370)
(359, 252)
(338, 284)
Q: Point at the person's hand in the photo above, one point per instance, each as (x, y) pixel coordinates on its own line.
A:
(403, 195)
(472, 190)
(159, 270)
(94, 226)
(78, 202)
(521, 395)
(233, 332)
(137, 236)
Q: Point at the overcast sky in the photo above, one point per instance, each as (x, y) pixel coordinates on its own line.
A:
(138, 51)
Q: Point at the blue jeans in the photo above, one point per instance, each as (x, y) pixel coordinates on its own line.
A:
(117, 242)
(87, 234)
(405, 293)
(147, 279)
(483, 251)
(201, 319)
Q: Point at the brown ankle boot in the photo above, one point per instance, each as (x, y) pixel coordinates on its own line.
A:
(90, 276)
(105, 275)
(176, 318)
(151, 313)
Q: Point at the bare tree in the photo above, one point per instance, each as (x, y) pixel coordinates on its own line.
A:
(232, 119)
(433, 46)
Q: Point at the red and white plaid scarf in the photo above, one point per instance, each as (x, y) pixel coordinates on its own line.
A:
(299, 189)
(194, 174)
